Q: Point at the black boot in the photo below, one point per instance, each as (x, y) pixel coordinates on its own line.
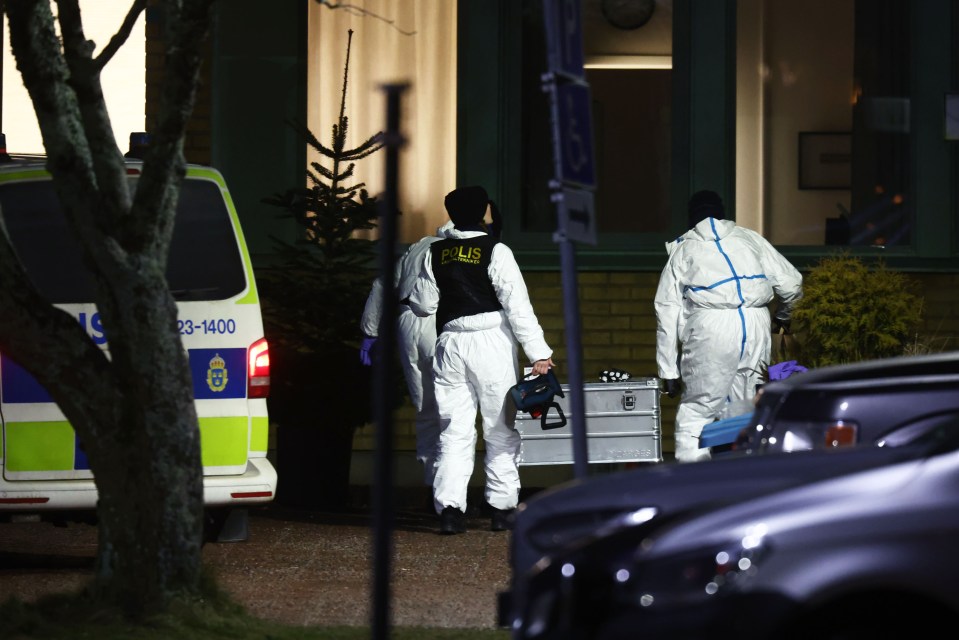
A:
(501, 520)
(452, 520)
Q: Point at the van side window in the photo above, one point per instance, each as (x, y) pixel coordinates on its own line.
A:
(204, 261)
(47, 249)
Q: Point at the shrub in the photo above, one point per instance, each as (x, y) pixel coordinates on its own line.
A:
(850, 312)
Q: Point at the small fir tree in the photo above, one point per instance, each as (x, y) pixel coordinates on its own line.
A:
(312, 303)
(318, 295)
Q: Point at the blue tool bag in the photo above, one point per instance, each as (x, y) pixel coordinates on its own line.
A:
(535, 395)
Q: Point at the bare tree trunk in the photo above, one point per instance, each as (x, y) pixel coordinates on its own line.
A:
(134, 411)
(150, 483)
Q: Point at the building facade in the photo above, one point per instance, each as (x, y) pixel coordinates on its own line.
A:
(828, 127)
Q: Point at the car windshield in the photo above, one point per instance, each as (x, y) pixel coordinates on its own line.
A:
(204, 261)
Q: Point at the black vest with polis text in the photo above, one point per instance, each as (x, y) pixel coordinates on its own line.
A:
(460, 266)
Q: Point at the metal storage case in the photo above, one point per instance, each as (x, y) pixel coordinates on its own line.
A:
(622, 425)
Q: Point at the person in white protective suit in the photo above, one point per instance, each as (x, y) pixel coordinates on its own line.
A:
(416, 342)
(472, 283)
(712, 316)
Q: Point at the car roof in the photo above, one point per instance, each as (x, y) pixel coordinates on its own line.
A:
(946, 363)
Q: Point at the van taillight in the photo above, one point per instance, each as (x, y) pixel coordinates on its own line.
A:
(258, 371)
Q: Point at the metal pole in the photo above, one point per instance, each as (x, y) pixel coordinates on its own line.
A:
(573, 354)
(577, 402)
(383, 387)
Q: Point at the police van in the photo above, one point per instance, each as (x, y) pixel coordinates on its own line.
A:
(43, 468)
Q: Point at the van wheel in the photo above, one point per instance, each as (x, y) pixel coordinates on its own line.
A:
(226, 524)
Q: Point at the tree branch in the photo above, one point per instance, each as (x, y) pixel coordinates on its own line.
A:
(122, 34)
(188, 24)
(106, 159)
(359, 11)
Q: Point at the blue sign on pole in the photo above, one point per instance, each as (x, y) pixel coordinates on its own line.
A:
(575, 213)
(564, 37)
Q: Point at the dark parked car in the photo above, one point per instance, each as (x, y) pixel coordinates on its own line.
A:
(868, 553)
(874, 402)
(886, 402)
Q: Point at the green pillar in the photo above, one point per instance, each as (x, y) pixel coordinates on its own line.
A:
(704, 101)
(259, 84)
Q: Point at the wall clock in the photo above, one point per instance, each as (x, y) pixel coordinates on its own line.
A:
(628, 14)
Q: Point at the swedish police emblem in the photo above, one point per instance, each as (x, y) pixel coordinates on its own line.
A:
(216, 377)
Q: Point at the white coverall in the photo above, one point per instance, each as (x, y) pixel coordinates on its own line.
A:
(474, 367)
(713, 324)
(416, 341)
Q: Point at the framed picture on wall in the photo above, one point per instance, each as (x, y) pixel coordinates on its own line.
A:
(952, 116)
(825, 160)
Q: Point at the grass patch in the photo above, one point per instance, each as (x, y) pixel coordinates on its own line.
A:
(210, 617)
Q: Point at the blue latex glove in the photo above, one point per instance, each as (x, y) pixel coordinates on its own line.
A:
(365, 347)
(783, 370)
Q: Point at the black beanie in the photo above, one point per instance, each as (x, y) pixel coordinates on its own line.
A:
(705, 204)
(466, 205)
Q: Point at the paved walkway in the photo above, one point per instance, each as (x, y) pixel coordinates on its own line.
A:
(301, 567)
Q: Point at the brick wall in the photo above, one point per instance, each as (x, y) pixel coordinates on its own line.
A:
(940, 311)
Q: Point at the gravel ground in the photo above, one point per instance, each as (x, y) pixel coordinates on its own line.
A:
(301, 567)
